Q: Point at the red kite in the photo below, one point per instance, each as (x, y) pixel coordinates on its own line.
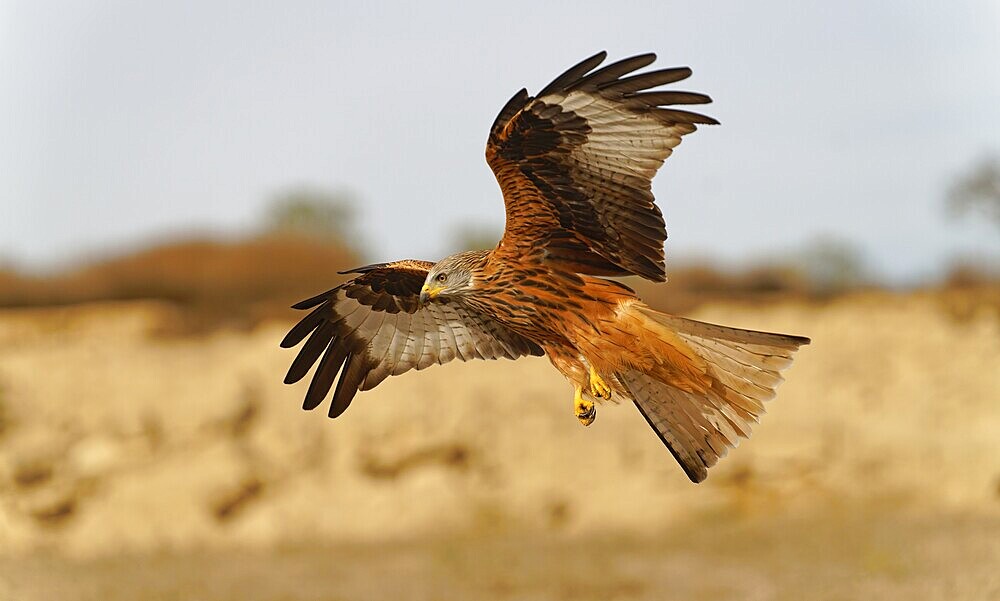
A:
(575, 163)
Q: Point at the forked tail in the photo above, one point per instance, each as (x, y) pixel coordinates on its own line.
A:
(744, 368)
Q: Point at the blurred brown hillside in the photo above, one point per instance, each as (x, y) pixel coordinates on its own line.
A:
(210, 283)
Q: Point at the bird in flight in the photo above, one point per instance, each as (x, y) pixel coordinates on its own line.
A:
(575, 163)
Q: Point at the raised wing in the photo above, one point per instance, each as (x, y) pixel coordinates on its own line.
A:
(576, 165)
(375, 327)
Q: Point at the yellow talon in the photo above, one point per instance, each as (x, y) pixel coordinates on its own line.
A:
(585, 410)
(598, 387)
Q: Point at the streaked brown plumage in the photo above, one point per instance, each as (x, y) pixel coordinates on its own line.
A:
(575, 164)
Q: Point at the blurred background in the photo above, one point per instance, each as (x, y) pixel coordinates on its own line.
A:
(173, 177)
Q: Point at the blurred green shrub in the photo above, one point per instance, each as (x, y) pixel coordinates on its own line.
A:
(977, 191)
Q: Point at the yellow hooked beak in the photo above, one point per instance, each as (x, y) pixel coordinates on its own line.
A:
(429, 292)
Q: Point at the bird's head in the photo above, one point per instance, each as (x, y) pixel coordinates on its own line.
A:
(451, 277)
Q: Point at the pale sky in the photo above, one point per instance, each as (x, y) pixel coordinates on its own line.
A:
(121, 121)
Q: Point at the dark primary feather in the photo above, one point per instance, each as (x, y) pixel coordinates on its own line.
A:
(374, 326)
(576, 162)
(613, 72)
(574, 73)
(322, 380)
(646, 81)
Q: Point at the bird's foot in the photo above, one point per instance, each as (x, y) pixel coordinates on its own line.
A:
(598, 387)
(585, 410)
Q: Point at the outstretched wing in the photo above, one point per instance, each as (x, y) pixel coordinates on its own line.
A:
(375, 327)
(576, 165)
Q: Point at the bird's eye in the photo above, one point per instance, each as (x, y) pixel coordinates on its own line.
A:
(442, 277)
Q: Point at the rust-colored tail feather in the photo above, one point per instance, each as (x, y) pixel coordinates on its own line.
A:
(700, 427)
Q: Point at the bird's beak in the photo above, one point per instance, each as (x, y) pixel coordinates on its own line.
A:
(428, 293)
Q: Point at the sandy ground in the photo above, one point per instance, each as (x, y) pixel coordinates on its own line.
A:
(850, 555)
(137, 466)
